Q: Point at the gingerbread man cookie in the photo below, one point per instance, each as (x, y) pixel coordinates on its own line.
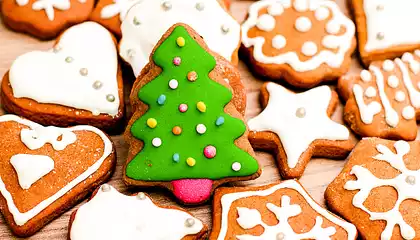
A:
(44, 19)
(186, 134)
(378, 189)
(278, 211)
(79, 81)
(46, 170)
(384, 101)
(303, 42)
(297, 126)
(110, 215)
(209, 18)
(384, 30)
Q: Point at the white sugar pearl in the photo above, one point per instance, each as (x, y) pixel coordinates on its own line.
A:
(279, 42)
(173, 84)
(407, 57)
(388, 65)
(266, 23)
(309, 49)
(276, 9)
(366, 76)
(201, 128)
(370, 92)
(393, 81)
(322, 13)
(157, 142)
(303, 24)
(408, 112)
(236, 166)
(399, 96)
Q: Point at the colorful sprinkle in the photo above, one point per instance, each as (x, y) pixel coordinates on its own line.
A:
(210, 151)
(151, 122)
(201, 106)
(177, 61)
(201, 128)
(183, 107)
(192, 76)
(175, 157)
(156, 142)
(177, 130)
(180, 41)
(173, 84)
(191, 162)
(161, 99)
(220, 121)
(236, 166)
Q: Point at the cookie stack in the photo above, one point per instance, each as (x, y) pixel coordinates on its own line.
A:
(184, 123)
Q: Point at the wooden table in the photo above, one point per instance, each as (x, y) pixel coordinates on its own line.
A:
(318, 174)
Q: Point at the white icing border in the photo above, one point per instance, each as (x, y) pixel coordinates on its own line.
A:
(21, 218)
(228, 199)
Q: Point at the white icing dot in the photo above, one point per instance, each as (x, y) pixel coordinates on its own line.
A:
(321, 13)
(275, 9)
(279, 42)
(303, 24)
(400, 96)
(407, 57)
(365, 75)
(408, 112)
(417, 52)
(393, 81)
(331, 42)
(173, 84)
(333, 27)
(156, 142)
(300, 5)
(309, 49)
(201, 128)
(266, 22)
(236, 166)
(388, 65)
(415, 67)
(370, 92)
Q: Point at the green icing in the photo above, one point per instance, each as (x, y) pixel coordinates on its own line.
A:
(156, 163)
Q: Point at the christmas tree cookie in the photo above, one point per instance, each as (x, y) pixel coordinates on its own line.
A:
(278, 211)
(111, 215)
(78, 81)
(44, 19)
(378, 189)
(185, 134)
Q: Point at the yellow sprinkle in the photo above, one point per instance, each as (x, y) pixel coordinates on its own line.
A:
(180, 41)
(151, 122)
(191, 161)
(201, 107)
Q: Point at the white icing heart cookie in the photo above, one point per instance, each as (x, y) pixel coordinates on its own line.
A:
(80, 75)
(140, 31)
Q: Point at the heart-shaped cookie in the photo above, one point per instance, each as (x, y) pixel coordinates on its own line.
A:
(52, 16)
(77, 82)
(46, 170)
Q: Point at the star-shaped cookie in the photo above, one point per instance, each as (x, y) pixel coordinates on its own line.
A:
(297, 126)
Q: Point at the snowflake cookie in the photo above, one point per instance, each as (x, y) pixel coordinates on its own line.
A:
(384, 101)
(111, 215)
(378, 189)
(297, 126)
(303, 41)
(384, 30)
(277, 211)
(147, 21)
(52, 16)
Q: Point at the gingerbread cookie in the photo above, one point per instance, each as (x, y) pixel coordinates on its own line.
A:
(277, 211)
(384, 101)
(303, 42)
(297, 126)
(209, 18)
(378, 189)
(78, 82)
(186, 135)
(46, 170)
(380, 35)
(44, 19)
(112, 215)
(111, 13)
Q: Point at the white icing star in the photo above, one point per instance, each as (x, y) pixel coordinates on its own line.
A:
(297, 129)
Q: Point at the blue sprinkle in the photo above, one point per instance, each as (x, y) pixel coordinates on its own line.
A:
(161, 99)
(220, 121)
(176, 157)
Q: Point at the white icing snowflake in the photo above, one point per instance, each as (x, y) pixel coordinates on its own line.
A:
(405, 184)
(120, 7)
(249, 218)
(49, 5)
